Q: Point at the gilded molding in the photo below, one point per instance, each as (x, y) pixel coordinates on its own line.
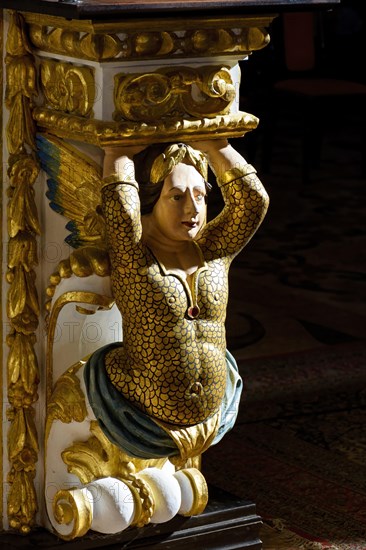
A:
(67, 87)
(100, 133)
(22, 299)
(151, 96)
(130, 40)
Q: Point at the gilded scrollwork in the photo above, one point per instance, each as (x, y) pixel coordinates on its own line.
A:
(151, 96)
(72, 507)
(67, 87)
(22, 300)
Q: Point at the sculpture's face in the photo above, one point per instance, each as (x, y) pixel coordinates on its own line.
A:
(180, 212)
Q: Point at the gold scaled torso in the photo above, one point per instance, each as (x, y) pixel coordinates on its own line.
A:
(172, 362)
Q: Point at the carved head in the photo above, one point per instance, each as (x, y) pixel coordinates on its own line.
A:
(155, 163)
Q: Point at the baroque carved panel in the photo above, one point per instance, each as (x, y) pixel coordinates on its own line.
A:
(152, 96)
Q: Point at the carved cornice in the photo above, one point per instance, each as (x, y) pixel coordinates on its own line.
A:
(145, 39)
(100, 133)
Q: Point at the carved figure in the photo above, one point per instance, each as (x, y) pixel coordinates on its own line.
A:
(154, 402)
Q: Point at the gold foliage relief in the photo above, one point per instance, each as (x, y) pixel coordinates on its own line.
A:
(97, 458)
(22, 300)
(22, 210)
(67, 87)
(20, 129)
(67, 402)
(150, 96)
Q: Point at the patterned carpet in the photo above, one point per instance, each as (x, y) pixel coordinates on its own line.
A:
(297, 328)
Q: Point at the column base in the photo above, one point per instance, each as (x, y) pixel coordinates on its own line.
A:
(228, 523)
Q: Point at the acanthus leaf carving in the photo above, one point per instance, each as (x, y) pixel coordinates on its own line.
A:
(20, 130)
(22, 211)
(22, 250)
(17, 44)
(22, 362)
(22, 500)
(67, 402)
(21, 78)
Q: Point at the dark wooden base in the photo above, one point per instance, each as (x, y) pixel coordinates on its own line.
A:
(228, 523)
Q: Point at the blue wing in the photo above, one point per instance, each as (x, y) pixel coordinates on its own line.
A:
(73, 189)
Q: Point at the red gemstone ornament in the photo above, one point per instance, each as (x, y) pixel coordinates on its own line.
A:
(193, 312)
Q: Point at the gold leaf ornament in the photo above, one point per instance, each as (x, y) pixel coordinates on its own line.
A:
(27, 322)
(22, 292)
(31, 431)
(21, 359)
(67, 402)
(22, 303)
(32, 294)
(20, 129)
(22, 501)
(23, 168)
(21, 78)
(16, 435)
(17, 293)
(22, 440)
(17, 44)
(22, 210)
(22, 251)
(97, 457)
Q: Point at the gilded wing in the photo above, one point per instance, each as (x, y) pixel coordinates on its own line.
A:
(73, 189)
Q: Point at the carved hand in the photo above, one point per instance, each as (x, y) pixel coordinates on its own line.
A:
(220, 154)
(119, 160)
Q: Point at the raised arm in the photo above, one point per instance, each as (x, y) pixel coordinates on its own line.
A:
(121, 203)
(246, 200)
